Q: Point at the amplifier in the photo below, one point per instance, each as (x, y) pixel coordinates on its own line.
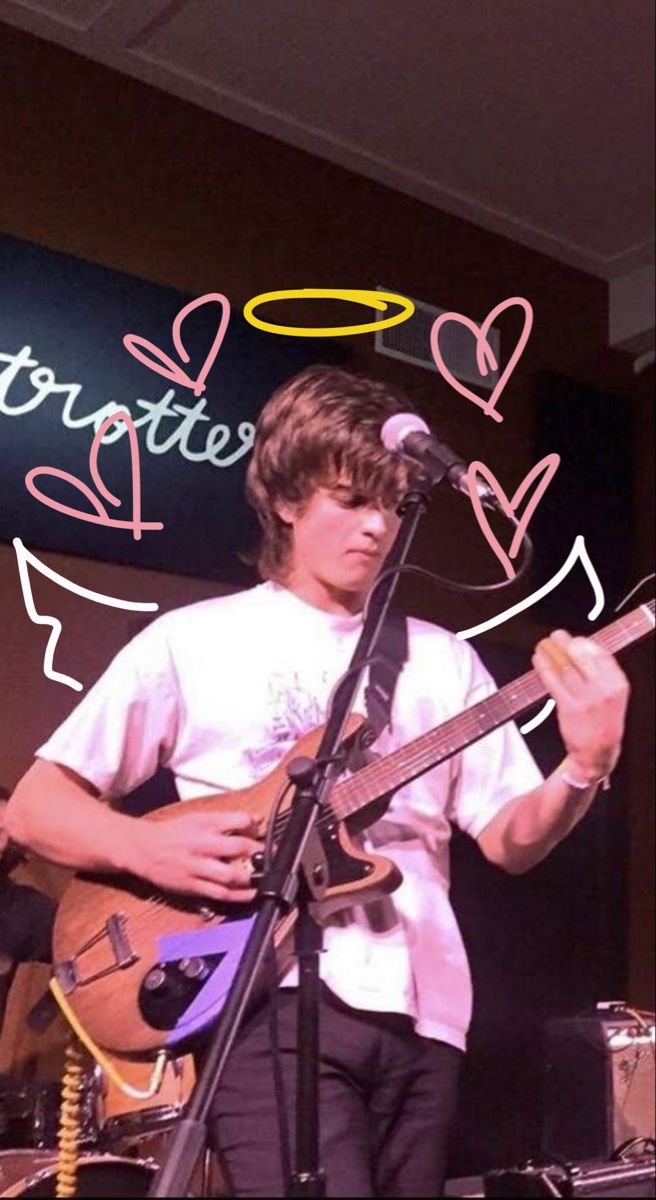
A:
(631, 1177)
(599, 1083)
(470, 1186)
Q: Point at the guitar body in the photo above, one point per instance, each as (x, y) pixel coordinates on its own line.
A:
(143, 969)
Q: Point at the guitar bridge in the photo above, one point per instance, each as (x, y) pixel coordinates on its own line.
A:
(68, 974)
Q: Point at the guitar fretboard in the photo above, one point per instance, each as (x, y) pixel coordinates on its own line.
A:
(417, 757)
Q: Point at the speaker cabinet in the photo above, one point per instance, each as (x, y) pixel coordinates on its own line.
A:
(599, 1181)
(599, 1084)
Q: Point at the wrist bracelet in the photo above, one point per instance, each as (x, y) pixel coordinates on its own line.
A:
(581, 785)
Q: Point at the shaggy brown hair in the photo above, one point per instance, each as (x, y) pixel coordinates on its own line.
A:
(319, 429)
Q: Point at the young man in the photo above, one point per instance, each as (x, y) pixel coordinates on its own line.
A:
(221, 690)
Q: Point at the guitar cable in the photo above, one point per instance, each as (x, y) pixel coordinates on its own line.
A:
(456, 585)
(103, 1061)
(68, 1134)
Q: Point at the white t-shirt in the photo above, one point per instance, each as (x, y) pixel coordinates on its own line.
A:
(219, 691)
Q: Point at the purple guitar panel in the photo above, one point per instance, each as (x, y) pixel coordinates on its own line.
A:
(228, 938)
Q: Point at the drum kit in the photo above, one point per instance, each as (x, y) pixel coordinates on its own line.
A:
(122, 1141)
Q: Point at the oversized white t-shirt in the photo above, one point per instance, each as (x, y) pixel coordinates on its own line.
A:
(219, 691)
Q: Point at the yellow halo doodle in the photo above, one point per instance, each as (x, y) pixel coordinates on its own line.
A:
(377, 300)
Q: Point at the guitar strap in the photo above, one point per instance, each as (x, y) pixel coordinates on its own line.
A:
(384, 672)
(391, 657)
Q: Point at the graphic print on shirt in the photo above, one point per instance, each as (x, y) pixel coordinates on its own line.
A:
(292, 710)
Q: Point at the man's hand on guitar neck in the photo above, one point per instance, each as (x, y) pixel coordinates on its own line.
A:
(57, 814)
(591, 693)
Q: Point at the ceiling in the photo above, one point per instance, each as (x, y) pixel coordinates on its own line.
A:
(532, 118)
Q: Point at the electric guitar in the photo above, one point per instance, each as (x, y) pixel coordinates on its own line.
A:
(144, 969)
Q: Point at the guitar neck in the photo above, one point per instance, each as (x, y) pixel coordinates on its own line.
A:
(417, 757)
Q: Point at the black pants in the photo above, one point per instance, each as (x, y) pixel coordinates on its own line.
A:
(387, 1100)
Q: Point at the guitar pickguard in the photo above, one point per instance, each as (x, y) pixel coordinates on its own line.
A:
(185, 1003)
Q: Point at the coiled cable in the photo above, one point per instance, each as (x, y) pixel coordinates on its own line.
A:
(68, 1136)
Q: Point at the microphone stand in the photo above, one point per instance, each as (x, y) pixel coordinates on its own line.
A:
(297, 875)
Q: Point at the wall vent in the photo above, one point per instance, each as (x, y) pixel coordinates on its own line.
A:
(410, 342)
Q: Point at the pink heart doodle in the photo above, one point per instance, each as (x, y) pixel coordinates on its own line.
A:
(549, 464)
(101, 516)
(170, 369)
(484, 353)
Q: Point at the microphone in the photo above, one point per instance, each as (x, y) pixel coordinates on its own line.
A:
(406, 434)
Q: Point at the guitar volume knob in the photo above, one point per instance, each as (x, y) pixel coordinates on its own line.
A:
(194, 969)
(155, 979)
